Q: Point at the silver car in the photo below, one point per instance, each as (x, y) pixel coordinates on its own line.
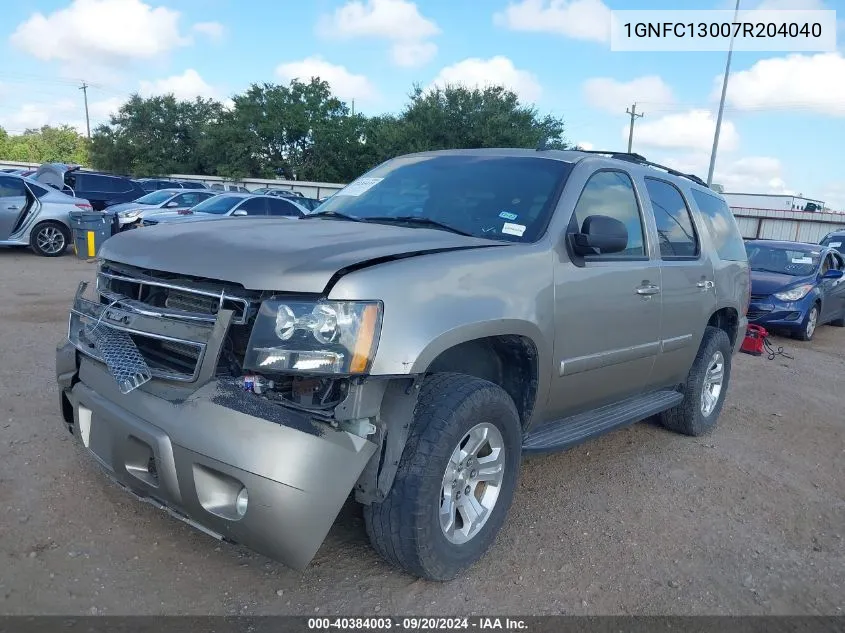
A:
(233, 204)
(130, 214)
(37, 216)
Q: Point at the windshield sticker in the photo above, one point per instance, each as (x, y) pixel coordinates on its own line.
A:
(802, 260)
(513, 229)
(507, 215)
(358, 187)
(835, 244)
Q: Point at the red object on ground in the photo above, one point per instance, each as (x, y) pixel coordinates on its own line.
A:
(755, 340)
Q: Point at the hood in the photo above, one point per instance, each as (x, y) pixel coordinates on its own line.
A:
(765, 283)
(274, 254)
(128, 206)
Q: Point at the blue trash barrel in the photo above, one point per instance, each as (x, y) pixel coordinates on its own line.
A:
(90, 230)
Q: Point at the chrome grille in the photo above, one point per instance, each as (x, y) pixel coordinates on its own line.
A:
(149, 294)
(117, 350)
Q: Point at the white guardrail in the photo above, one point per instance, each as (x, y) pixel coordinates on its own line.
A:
(308, 189)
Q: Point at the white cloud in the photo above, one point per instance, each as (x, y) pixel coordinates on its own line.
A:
(184, 87)
(578, 19)
(615, 96)
(214, 30)
(101, 110)
(746, 174)
(500, 71)
(691, 130)
(585, 145)
(833, 195)
(344, 84)
(799, 82)
(35, 115)
(398, 21)
(100, 32)
(412, 54)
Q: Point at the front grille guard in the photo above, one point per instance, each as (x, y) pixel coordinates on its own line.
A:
(104, 332)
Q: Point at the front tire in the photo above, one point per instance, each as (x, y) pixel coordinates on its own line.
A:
(809, 325)
(49, 239)
(455, 481)
(705, 388)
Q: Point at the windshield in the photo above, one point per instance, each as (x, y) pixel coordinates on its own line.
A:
(156, 197)
(506, 198)
(218, 204)
(783, 260)
(835, 241)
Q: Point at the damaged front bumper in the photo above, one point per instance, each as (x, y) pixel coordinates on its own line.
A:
(228, 462)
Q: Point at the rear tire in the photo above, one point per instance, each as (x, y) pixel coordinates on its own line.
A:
(699, 412)
(49, 239)
(420, 526)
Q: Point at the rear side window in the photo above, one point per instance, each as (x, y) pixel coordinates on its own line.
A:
(722, 226)
(674, 223)
(105, 184)
(611, 193)
(11, 187)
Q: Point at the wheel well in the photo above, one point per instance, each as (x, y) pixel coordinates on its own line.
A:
(726, 319)
(508, 361)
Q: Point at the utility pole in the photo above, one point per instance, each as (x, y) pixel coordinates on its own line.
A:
(634, 115)
(353, 107)
(721, 105)
(84, 90)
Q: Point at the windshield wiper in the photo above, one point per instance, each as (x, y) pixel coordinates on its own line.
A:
(771, 270)
(411, 219)
(333, 215)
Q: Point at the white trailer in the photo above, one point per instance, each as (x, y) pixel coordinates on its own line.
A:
(774, 202)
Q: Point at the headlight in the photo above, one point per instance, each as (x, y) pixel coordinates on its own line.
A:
(320, 337)
(134, 213)
(794, 294)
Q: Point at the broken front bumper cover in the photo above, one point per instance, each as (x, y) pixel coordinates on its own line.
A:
(194, 453)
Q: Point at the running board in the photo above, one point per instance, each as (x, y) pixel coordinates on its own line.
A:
(568, 432)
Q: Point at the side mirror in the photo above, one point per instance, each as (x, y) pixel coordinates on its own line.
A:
(833, 274)
(600, 235)
(172, 204)
(239, 213)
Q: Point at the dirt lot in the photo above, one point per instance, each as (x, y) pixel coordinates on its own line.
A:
(748, 520)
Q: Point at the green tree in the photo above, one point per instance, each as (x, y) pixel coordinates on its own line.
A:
(155, 136)
(47, 144)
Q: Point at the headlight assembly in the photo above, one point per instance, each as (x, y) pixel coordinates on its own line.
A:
(316, 337)
(134, 213)
(794, 294)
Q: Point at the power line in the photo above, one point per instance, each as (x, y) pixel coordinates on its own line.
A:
(634, 115)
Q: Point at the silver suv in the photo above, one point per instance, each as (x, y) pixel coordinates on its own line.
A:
(439, 317)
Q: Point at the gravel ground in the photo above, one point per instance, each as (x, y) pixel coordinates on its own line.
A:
(749, 520)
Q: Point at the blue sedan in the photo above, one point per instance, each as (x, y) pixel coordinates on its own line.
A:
(795, 287)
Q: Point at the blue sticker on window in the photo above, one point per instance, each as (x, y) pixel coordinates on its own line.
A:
(505, 215)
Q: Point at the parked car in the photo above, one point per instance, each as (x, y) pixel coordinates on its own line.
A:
(225, 186)
(130, 214)
(101, 190)
(36, 215)
(836, 240)
(231, 204)
(309, 203)
(795, 287)
(157, 184)
(276, 191)
(407, 353)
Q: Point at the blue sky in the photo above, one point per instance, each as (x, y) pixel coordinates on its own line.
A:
(784, 126)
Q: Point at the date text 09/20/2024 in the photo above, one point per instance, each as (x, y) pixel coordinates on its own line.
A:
(417, 624)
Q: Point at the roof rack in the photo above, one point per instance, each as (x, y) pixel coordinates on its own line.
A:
(641, 160)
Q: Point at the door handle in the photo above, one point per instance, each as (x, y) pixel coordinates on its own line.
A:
(705, 285)
(13, 208)
(648, 290)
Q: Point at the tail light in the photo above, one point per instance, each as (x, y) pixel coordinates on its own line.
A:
(83, 206)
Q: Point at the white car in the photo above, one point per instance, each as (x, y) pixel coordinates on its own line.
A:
(233, 204)
(130, 214)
